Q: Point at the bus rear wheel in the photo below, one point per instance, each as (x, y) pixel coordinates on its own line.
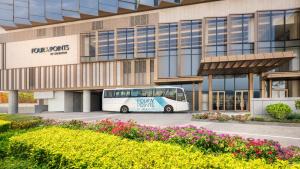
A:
(168, 109)
(124, 109)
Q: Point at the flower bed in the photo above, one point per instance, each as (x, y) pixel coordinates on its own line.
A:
(67, 148)
(203, 139)
(4, 125)
(221, 116)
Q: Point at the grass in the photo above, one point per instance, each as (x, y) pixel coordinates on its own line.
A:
(16, 117)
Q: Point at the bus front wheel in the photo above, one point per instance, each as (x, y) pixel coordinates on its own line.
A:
(168, 109)
(124, 109)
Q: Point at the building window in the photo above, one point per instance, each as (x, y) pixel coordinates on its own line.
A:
(241, 34)
(191, 50)
(87, 44)
(146, 42)
(108, 6)
(21, 12)
(279, 31)
(152, 72)
(37, 10)
(216, 39)
(70, 8)
(128, 4)
(125, 40)
(89, 7)
(140, 72)
(167, 50)
(256, 86)
(54, 9)
(106, 45)
(7, 13)
(127, 73)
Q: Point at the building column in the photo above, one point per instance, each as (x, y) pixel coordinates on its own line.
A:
(86, 101)
(251, 91)
(200, 96)
(13, 102)
(210, 94)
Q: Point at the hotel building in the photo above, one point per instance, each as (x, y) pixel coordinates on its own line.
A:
(222, 52)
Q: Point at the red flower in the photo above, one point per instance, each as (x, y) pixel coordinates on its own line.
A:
(270, 152)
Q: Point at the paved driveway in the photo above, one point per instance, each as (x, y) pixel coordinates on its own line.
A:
(286, 135)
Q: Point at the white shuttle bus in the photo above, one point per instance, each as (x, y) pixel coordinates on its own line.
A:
(155, 99)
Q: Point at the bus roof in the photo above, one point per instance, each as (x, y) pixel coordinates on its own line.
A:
(154, 87)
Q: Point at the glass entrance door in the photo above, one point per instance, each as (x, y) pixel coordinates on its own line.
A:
(219, 100)
(241, 100)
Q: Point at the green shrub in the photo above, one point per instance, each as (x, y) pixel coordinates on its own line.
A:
(4, 125)
(294, 116)
(21, 121)
(297, 104)
(66, 148)
(279, 110)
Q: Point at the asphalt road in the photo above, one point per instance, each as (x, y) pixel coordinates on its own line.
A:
(286, 135)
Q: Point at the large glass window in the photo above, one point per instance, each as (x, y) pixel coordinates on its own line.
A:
(87, 44)
(106, 45)
(6, 13)
(149, 2)
(21, 12)
(216, 39)
(128, 4)
(108, 6)
(37, 10)
(146, 41)
(71, 8)
(89, 7)
(167, 50)
(54, 9)
(279, 31)
(140, 72)
(256, 86)
(191, 41)
(125, 40)
(241, 34)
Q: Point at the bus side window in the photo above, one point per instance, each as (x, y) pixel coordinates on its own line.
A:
(147, 93)
(170, 94)
(158, 93)
(109, 94)
(136, 93)
(118, 93)
(180, 95)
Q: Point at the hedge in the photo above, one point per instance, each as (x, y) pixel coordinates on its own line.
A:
(4, 125)
(21, 121)
(66, 148)
(279, 110)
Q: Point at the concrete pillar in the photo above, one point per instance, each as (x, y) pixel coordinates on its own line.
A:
(86, 101)
(13, 102)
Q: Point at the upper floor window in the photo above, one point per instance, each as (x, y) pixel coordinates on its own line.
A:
(106, 45)
(191, 47)
(87, 44)
(37, 10)
(21, 12)
(216, 36)
(125, 40)
(168, 50)
(6, 13)
(241, 34)
(146, 41)
(108, 6)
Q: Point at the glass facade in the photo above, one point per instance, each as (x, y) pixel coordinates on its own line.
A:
(106, 45)
(89, 7)
(54, 9)
(70, 8)
(21, 12)
(7, 13)
(128, 4)
(146, 42)
(168, 50)
(241, 35)
(127, 73)
(37, 10)
(125, 43)
(190, 47)
(216, 36)
(108, 6)
(279, 31)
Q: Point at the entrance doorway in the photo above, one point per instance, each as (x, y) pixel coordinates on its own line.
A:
(219, 100)
(96, 100)
(241, 100)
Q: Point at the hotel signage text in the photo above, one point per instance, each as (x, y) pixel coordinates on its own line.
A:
(52, 50)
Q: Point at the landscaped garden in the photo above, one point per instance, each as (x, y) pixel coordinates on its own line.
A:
(115, 144)
(278, 112)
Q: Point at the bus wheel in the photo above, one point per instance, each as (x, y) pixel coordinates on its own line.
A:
(124, 109)
(168, 109)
